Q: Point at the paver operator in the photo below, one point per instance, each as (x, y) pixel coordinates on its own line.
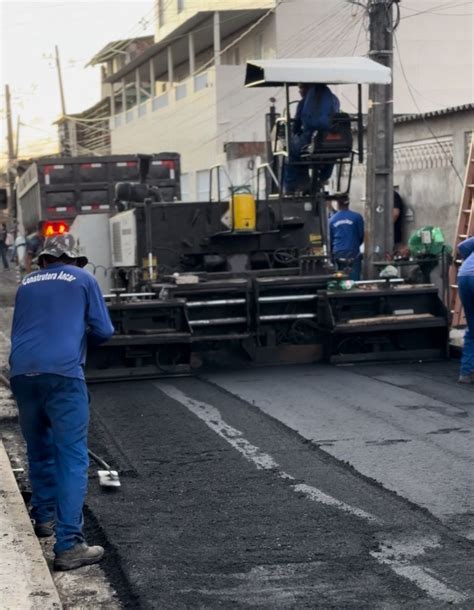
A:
(466, 293)
(346, 235)
(315, 110)
(58, 310)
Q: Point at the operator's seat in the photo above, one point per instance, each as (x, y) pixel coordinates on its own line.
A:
(333, 144)
(331, 151)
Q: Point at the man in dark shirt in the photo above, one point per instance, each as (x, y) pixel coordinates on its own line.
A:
(58, 309)
(34, 246)
(398, 215)
(3, 245)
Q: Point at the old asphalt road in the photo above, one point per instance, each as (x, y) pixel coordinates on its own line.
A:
(288, 487)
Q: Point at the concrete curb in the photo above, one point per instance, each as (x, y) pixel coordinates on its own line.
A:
(25, 579)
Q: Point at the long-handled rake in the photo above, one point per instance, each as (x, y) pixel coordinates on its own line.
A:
(107, 477)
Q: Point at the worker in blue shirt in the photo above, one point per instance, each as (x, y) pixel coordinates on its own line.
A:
(466, 293)
(314, 112)
(346, 235)
(34, 245)
(58, 310)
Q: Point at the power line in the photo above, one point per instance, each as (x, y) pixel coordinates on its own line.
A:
(435, 8)
(357, 3)
(331, 22)
(329, 37)
(127, 41)
(448, 158)
(358, 35)
(234, 42)
(202, 68)
(240, 37)
(260, 107)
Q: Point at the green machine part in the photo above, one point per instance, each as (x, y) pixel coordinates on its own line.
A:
(427, 241)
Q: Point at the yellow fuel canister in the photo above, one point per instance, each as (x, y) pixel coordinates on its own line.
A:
(244, 210)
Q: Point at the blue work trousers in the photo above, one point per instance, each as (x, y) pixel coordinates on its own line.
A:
(466, 293)
(54, 418)
(356, 267)
(296, 177)
(3, 254)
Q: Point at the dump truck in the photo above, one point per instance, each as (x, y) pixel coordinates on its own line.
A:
(57, 189)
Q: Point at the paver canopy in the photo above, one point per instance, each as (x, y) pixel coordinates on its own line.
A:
(329, 70)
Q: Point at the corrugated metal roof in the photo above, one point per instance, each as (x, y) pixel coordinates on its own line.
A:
(434, 113)
(231, 21)
(116, 47)
(101, 105)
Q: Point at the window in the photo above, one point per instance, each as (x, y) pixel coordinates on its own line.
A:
(180, 6)
(161, 13)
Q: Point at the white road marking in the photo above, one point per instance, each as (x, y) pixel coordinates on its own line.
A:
(395, 555)
(399, 555)
(213, 419)
(319, 496)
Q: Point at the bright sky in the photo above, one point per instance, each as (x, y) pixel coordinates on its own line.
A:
(29, 30)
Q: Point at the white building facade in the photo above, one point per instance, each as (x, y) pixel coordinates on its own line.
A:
(185, 92)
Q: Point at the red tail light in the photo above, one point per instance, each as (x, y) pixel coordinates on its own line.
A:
(55, 228)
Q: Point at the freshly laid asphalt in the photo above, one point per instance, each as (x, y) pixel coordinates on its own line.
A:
(409, 426)
(289, 487)
(222, 505)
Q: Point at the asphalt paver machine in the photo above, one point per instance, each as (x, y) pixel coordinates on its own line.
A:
(252, 275)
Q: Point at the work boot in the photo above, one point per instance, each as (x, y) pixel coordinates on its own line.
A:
(45, 530)
(79, 555)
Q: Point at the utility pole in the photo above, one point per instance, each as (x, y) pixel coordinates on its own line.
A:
(17, 139)
(69, 144)
(11, 150)
(379, 183)
(60, 80)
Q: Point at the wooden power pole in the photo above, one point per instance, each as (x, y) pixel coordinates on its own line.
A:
(379, 185)
(11, 150)
(60, 80)
(69, 129)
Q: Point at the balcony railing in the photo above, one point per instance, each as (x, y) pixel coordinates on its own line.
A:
(180, 91)
(159, 102)
(190, 86)
(200, 81)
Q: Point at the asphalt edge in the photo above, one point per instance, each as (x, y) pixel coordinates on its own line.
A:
(25, 579)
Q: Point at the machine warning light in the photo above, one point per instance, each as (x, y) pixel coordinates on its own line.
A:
(55, 228)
